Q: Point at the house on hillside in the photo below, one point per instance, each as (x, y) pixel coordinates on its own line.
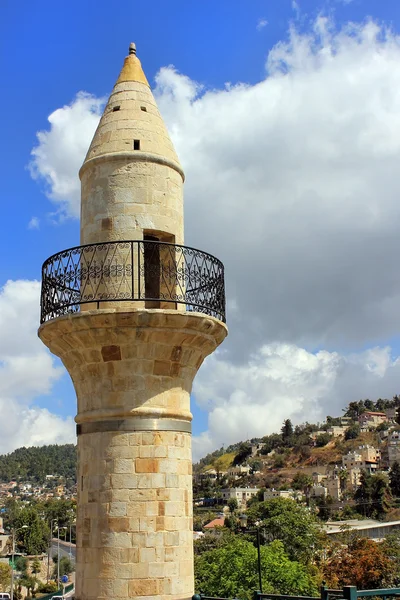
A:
(391, 413)
(4, 539)
(371, 419)
(242, 495)
(215, 524)
(255, 449)
(394, 447)
(238, 471)
(334, 488)
(318, 477)
(270, 494)
(337, 430)
(318, 491)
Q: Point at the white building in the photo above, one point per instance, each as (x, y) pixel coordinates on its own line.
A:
(242, 495)
(394, 447)
(272, 493)
(337, 430)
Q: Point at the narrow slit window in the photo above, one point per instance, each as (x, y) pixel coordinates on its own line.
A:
(136, 144)
(143, 108)
(115, 108)
(82, 483)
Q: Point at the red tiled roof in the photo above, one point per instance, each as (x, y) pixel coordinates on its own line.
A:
(215, 523)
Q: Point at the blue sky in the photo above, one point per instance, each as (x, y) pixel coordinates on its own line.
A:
(50, 51)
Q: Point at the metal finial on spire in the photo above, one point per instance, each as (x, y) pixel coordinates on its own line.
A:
(132, 48)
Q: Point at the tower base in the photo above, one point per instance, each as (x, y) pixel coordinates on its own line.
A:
(133, 373)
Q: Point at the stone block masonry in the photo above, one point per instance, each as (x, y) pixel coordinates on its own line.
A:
(133, 374)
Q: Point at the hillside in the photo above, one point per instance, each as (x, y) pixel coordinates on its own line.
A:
(276, 458)
(35, 463)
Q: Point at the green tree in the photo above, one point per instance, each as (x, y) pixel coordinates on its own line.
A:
(233, 505)
(5, 577)
(231, 571)
(21, 564)
(391, 547)
(302, 482)
(287, 430)
(343, 477)
(66, 566)
(322, 440)
(243, 454)
(291, 523)
(33, 539)
(394, 478)
(352, 432)
(373, 495)
(30, 583)
(36, 566)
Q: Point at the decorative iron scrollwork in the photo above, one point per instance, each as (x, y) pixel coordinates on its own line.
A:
(147, 271)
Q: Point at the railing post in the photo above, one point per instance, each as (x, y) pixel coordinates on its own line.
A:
(256, 595)
(350, 592)
(324, 593)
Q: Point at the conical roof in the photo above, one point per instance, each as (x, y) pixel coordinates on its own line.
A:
(131, 122)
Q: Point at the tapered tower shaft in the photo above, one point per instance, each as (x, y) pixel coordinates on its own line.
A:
(132, 313)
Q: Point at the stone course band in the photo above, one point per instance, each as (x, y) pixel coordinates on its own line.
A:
(134, 424)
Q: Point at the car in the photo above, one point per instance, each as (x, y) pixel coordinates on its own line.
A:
(58, 598)
(4, 596)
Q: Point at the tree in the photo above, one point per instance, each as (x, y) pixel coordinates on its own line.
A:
(65, 566)
(302, 482)
(362, 562)
(21, 564)
(30, 583)
(36, 566)
(232, 504)
(294, 525)
(244, 452)
(352, 432)
(287, 430)
(231, 571)
(394, 478)
(322, 440)
(34, 539)
(372, 495)
(5, 577)
(343, 477)
(391, 547)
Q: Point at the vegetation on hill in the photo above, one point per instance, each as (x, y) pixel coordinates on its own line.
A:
(33, 464)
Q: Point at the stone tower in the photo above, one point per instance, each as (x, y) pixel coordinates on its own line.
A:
(132, 313)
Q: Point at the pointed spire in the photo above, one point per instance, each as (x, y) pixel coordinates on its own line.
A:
(131, 123)
(132, 69)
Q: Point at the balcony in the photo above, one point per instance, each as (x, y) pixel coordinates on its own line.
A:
(152, 274)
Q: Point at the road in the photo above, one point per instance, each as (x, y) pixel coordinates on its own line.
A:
(65, 548)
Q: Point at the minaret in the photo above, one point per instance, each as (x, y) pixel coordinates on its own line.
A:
(132, 313)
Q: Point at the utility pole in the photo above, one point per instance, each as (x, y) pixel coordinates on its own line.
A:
(14, 531)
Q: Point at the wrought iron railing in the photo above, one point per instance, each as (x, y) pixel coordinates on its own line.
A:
(151, 272)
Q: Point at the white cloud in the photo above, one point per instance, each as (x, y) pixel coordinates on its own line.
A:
(34, 223)
(293, 183)
(282, 381)
(60, 152)
(296, 8)
(27, 370)
(261, 24)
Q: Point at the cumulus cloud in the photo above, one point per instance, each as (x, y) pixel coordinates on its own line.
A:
(293, 183)
(59, 154)
(282, 381)
(27, 370)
